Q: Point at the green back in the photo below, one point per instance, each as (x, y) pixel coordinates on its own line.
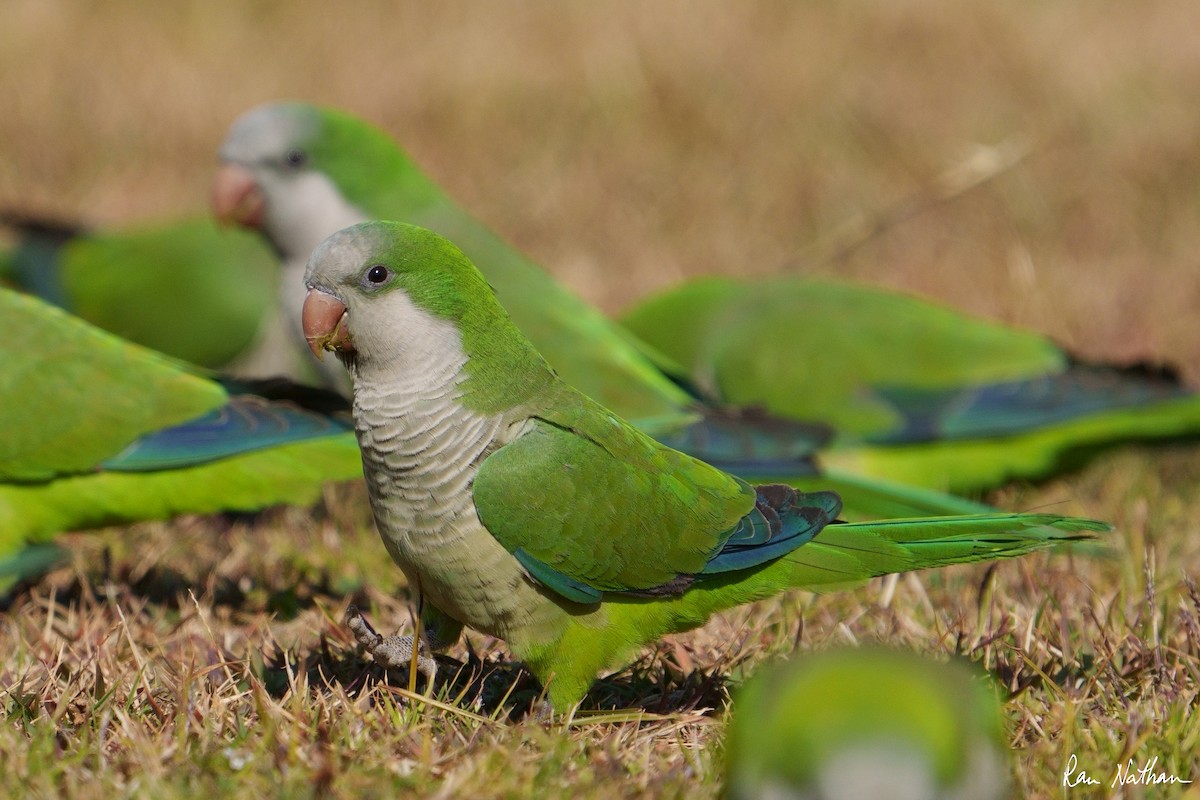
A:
(74, 395)
(815, 349)
(188, 289)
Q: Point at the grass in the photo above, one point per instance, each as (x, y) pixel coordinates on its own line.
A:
(207, 654)
(628, 147)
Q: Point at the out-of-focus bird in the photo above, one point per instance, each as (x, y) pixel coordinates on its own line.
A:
(866, 725)
(186, 287)
(916, 391)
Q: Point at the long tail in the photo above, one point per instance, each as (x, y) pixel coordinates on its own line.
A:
(851, 552)
(865, 498)
(845, 554)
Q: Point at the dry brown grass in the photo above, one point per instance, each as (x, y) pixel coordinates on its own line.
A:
(627, 146)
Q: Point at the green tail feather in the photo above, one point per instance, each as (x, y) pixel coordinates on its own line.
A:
(849, 553)
(874, 498)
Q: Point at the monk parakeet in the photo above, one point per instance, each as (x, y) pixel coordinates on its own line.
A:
(915, 390)
(865, 725)
(185, 288)
(100, 431)
(520, 507)
(299, 173)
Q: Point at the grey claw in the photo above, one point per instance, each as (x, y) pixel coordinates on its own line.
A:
(390, 652)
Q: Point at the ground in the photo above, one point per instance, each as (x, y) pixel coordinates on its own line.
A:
(1033, 163)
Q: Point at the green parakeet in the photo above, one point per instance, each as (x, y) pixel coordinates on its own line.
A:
(915, 390)
(99, 431)
(865, 725)
(520, 507)
(299, 173)
(185, 288)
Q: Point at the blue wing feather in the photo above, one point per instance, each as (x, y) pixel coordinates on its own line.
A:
(782, 520)
(245, 424)
(1015, 407)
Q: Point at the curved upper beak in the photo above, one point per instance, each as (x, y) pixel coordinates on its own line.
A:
(236, 197)
(324, 319)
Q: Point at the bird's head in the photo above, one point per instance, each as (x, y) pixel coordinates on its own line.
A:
(375, 284)
(393, 298)
(299, 172)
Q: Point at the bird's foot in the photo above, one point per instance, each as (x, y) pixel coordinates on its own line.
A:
(390, 652)
(542, 713)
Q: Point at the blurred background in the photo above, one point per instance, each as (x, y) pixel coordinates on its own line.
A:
(628, 145)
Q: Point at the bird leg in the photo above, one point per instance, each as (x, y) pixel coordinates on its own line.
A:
(391, 652)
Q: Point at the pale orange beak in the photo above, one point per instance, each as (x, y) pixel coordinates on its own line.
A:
(236, 197)
(324, 319)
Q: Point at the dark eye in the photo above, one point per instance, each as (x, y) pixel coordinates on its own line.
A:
(296, 158)
(377, 274)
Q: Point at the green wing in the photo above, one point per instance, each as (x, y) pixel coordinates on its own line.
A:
(186, 288)
(73, 396)
(591, 505)
(815, 349)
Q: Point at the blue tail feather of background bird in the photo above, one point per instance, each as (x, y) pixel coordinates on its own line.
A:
(245, 424)
(1015, 407)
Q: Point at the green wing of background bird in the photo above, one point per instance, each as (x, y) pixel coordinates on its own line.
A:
(99, 431)
(589, 350)
(186, 288)
(916, 391)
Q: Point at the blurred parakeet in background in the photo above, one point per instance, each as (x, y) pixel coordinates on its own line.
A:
(100, 431)
(299, 173)
(866, 725)
(186, 288)
(518, 506)
(916, 391)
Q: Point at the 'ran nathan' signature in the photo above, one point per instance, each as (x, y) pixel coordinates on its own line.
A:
(1128, 774)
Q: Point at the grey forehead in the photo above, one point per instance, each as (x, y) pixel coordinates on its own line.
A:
(267, 131)
(341, 254)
